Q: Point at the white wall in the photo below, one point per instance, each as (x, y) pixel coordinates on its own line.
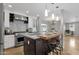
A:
(30, 24)
(1, 29)
(6, 17)
(18, 26)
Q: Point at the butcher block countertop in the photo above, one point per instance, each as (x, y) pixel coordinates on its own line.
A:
(50, 35)
(42, 36)
(37, 44)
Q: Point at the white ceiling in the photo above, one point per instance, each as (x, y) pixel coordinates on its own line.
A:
(71, 10)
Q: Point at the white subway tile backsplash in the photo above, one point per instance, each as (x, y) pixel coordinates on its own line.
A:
(18, 26)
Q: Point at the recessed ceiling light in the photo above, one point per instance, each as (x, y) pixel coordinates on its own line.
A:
(37, 14)
(27, 11)
(10, 6)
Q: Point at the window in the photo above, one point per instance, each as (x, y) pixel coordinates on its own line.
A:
(72, 27)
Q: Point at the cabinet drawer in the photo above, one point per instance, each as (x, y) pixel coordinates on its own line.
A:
(9, 41)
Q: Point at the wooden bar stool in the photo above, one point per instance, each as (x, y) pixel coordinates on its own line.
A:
(55, 46)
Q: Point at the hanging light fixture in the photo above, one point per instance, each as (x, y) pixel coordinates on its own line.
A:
(57, 18)
(46, 11)
(53, 16)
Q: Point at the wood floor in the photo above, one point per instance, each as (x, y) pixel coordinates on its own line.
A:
(14, 51)
(71, 47)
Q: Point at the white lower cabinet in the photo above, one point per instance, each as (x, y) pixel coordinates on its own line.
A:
(9, 41)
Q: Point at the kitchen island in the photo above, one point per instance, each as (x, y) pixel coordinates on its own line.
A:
(37, 44)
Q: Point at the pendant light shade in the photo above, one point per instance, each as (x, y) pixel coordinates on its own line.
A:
(53, 16)
(46, 12)
(57, 18)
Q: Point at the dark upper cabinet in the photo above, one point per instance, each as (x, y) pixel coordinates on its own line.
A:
(11, 17)
(17, 17)
(26, 21)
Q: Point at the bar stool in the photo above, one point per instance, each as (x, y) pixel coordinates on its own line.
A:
(52, 46)
(55, 46)
(59, 47)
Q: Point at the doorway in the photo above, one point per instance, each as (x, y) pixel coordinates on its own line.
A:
(71, 39)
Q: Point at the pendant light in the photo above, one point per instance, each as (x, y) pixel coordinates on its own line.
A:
(57, 18)
(53, 16)
(46, 11)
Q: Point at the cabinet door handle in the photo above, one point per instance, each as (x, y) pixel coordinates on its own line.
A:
(28, 42)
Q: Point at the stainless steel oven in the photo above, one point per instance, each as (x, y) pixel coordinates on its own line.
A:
(19, 39)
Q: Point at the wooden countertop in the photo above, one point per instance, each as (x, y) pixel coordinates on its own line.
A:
(49, 36)
(43, 36)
